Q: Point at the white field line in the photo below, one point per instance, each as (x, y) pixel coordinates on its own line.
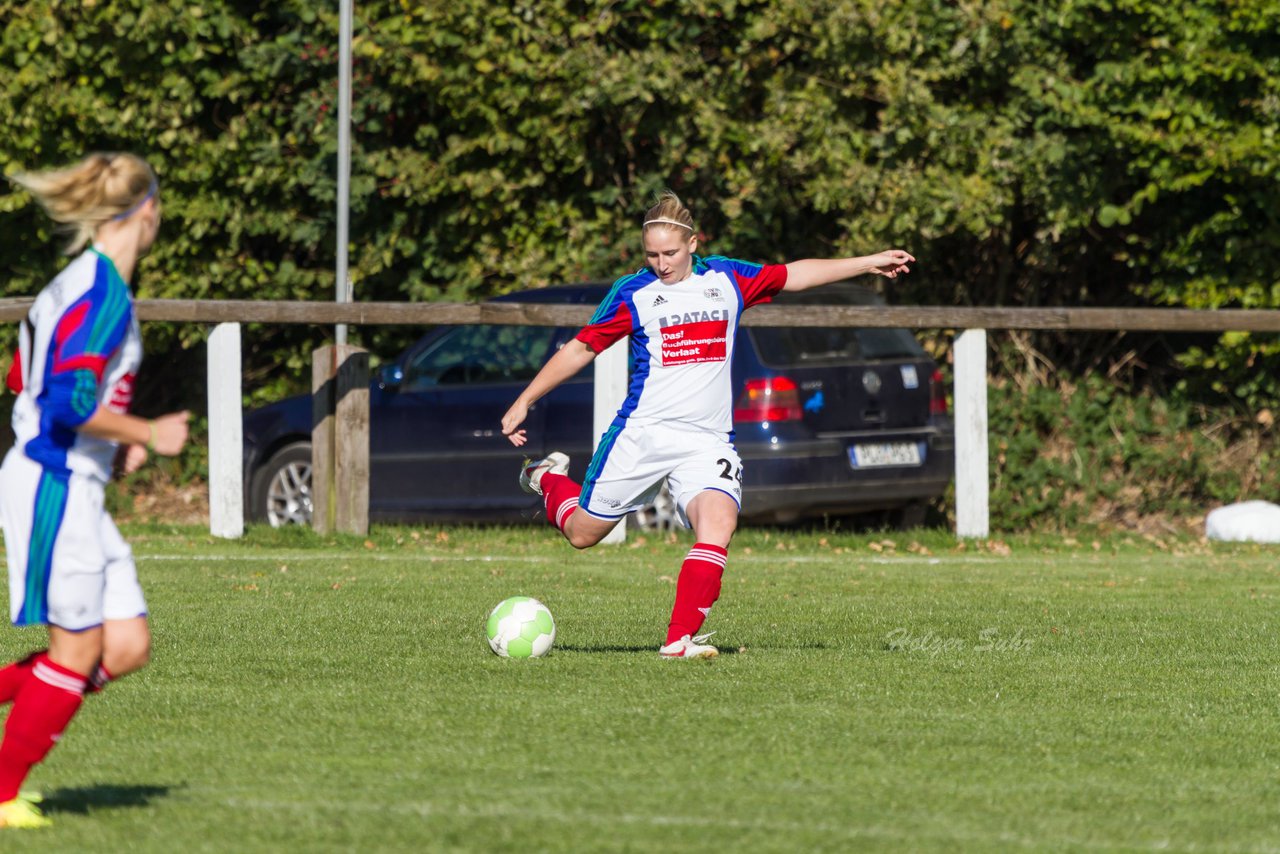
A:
(426, 809)
(419, 558)
(332, 556)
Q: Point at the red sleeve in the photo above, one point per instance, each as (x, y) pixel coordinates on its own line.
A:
(601, 334)
(761, 284)
(14, 380)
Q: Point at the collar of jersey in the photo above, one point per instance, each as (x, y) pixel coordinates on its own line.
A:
(112, 264)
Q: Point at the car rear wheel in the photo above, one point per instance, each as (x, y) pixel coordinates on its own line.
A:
(282, 495)
(660, 516)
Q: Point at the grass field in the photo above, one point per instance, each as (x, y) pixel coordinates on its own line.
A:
(338, 695)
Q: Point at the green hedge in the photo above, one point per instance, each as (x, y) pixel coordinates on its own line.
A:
(1105, 152)
(1067, 455)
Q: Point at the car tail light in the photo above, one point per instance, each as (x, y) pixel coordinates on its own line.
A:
(769, 399)
(937, 394)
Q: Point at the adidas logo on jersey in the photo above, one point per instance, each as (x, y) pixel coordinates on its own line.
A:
(659, 301)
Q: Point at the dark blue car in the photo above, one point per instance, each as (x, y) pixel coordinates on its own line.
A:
(828, 421)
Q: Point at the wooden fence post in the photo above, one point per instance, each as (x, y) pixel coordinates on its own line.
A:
(226, 433)
(340, 439)
(972, 488)
(322, 398)
(610, 392)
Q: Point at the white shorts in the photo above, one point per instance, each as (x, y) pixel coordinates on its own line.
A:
(633, 459)
(68, 565)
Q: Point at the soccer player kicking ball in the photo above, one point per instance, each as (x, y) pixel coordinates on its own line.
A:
(69, 569)
(681, 313)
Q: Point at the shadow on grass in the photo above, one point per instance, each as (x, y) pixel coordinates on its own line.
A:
(83, 799)
(724, 650)
(598, 648)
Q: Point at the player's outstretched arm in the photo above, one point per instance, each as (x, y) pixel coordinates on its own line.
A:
(165, 435)
(571, 358)
(813, 272)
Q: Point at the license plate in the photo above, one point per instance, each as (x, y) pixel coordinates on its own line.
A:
(887, 454)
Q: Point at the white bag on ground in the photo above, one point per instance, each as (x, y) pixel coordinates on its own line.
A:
(1248, 521)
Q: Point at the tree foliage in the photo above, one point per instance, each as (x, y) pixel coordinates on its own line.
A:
(1099, 152)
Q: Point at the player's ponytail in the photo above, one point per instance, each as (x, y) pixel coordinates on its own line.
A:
(669, 212)
(98, 189)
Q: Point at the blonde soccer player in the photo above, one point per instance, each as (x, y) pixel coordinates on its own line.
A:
(681, 314)
(69, 568)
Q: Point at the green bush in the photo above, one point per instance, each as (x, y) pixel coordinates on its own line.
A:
(1108, 152)
(1071, 454)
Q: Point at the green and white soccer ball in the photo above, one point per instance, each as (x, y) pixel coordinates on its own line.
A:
(521, 627)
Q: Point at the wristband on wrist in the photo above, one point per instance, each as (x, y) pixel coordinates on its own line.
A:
(151, 440)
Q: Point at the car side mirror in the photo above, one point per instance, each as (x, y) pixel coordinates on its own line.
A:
(390, 377)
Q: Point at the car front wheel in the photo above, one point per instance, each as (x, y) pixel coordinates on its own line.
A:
(282, 494)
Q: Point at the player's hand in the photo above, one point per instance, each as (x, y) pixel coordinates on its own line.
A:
(130, 458)
(512, 420)
(169, 433)
(891, 262)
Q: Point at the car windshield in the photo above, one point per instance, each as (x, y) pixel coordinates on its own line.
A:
(816, 344)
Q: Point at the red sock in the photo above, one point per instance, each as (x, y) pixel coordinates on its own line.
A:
(560, 495)
(13, 677)
(42, 710)
(98, 679)
(697, 589)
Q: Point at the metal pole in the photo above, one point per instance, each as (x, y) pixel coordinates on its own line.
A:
(342, 282)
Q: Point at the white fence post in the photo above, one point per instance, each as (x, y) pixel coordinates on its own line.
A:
(226, 433)
(610, 392)
(972, 508)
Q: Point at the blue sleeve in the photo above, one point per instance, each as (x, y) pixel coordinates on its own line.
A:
(84, 340)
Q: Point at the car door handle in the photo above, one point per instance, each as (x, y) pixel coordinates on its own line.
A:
(482, 434)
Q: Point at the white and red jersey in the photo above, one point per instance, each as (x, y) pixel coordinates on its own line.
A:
(682, 338)
(79, 349)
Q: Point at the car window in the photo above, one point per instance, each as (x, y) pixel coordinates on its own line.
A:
(815, 345)
(480, 353)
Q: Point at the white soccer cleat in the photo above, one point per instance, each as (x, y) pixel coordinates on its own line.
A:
(531, 474)
(688, 647)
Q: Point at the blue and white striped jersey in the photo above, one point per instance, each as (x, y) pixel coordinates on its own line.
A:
(79, 349)
(682, 338)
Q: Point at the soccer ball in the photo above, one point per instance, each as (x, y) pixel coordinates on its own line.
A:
(521, 627)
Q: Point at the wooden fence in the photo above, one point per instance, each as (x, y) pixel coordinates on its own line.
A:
(539, 314)
(970, 354)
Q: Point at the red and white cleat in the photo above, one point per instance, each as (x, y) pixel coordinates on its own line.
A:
(531, 474)
(688, 647)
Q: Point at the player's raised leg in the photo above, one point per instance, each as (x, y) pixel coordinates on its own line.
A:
(549, 478)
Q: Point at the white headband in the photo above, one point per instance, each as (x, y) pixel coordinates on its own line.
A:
(668, 222)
